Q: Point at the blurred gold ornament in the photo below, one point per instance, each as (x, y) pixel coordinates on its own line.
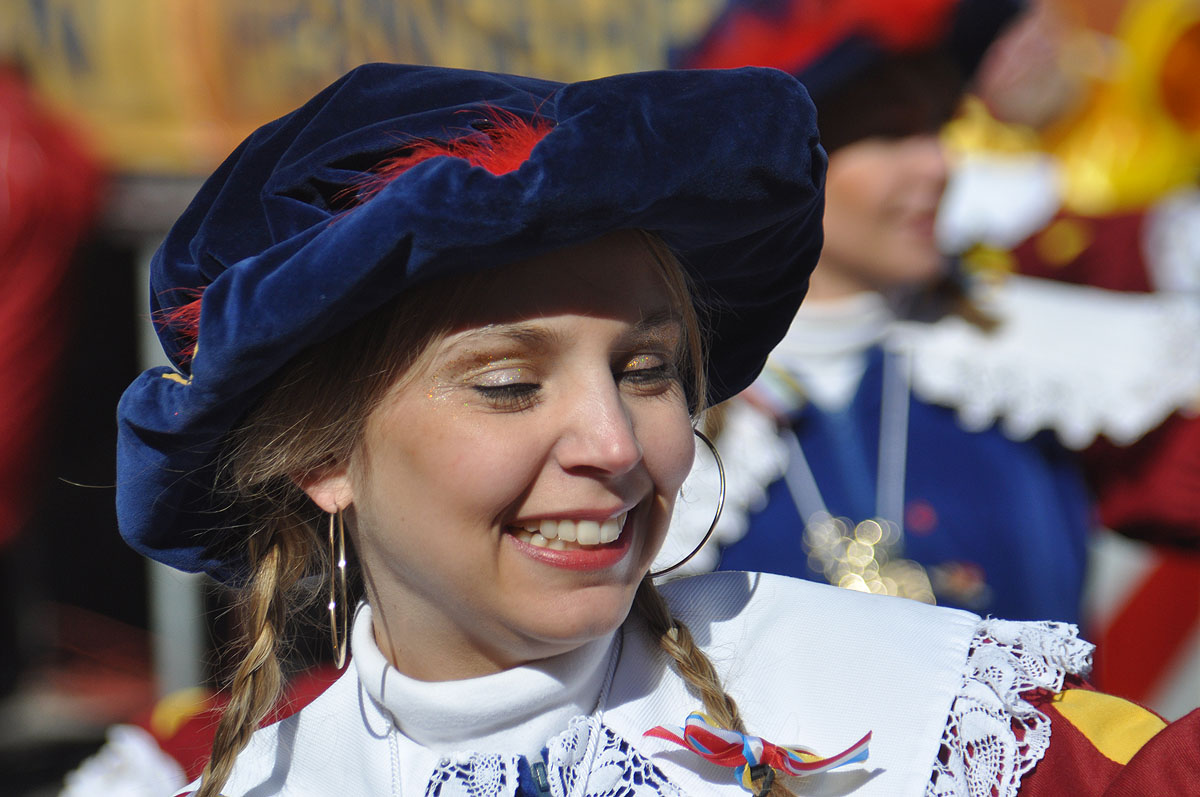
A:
(864, 557)
(1129, 133)
(1063, 241)
(1136, 139)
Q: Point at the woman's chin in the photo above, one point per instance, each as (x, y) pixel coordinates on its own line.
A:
(921, 269)
(569, 627)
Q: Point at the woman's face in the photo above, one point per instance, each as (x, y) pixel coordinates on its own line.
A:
(514, 486)
(881, 197)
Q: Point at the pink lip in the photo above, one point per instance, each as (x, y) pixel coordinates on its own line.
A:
(596, 557)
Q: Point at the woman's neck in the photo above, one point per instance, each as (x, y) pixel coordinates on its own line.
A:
(455, 644)
(829, 284)
(825, 347)
(513, 711)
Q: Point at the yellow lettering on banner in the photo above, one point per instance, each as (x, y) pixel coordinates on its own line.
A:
(1116, 727)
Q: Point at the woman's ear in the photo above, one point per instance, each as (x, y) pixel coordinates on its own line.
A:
(329, 487)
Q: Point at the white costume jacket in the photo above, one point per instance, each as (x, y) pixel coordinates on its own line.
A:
(808, 664)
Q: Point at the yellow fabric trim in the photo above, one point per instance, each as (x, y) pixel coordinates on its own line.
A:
(175, 709)
(174, 377)
(1116, 727)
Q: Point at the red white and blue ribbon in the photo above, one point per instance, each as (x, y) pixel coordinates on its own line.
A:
(710, 741)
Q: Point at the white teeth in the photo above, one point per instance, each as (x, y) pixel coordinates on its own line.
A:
(524, 535)
(610, 530)
(556, 533)
(566, 531)
(587, 532)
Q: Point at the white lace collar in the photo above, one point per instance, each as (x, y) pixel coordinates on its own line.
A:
(1081, 361)
(514, 711)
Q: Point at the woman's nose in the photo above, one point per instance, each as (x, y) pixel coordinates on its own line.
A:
(598, 435)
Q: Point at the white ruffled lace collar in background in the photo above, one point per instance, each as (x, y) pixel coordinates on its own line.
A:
(515, 711)
(1171, 243)
(1083, 362)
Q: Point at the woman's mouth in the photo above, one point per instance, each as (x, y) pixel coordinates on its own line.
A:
(568, 544)
(565, 535)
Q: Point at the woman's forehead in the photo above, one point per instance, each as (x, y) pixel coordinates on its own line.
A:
(548, 331)
(616, 276)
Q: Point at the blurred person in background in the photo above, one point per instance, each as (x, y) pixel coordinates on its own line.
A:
(917, 432)
(1091, 179)
(49, 197)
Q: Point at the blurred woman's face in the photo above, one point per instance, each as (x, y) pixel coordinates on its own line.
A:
(514, 486)
(881, 198)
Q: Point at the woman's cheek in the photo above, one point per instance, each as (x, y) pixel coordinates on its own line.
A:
(675, 451)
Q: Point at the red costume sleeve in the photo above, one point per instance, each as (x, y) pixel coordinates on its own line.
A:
(1104, 252)
(184, 724)
(1167, 764)
(1151, 490)
(1104, 746)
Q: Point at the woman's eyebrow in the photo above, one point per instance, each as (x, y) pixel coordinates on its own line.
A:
(525, 334)
(663, 327)
(656, 320)
(536, 335)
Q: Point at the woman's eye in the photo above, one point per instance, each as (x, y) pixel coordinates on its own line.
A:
(509, 389)
(509, 397)
(649, 372)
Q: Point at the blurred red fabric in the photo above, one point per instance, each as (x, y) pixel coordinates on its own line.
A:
(49, 194)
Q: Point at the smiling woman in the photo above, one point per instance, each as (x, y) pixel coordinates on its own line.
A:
(466, 338)
(439, 339)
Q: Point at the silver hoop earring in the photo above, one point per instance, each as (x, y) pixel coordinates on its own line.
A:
(720, 505)
(339, 612)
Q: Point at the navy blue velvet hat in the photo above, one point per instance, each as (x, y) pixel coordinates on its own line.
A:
(270, 258)
(827, 43)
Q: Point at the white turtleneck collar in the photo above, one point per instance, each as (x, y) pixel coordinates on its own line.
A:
(825, 347)
(514, 711)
